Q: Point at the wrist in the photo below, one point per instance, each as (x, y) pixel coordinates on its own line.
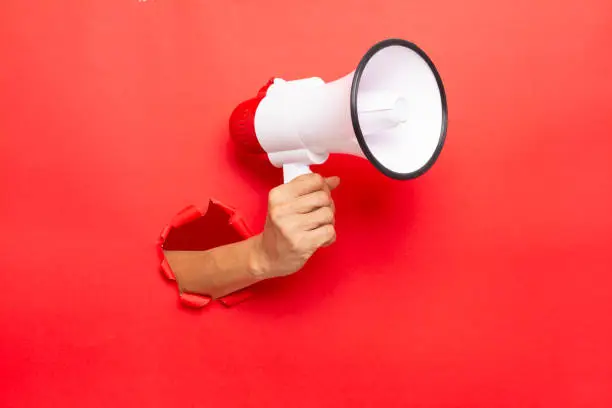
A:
(258, 264)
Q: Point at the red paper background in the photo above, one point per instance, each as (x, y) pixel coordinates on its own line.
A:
(485, 283)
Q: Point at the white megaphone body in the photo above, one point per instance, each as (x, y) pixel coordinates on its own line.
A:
(390, 110)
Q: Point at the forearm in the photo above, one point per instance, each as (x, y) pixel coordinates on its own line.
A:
(300, 220)
(218, 271)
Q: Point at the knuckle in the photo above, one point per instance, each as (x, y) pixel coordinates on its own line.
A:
(274, 197)
(285, 230)
(318, 180)
(274, 214)
(323, 198)
(328, 214)
(295, 243)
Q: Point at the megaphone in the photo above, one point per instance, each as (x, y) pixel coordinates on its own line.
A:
(390, 110)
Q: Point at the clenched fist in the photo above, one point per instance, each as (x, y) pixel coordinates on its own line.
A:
(300, 220)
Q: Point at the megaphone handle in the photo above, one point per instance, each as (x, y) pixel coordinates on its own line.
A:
(293, 170)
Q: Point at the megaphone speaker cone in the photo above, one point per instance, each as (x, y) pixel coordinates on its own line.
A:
(398, 109)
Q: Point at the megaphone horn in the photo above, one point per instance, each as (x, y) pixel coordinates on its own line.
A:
(390, 110)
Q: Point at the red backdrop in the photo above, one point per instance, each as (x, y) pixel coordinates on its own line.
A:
(485, 283)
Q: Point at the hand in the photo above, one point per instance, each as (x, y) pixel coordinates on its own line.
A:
(300, 220)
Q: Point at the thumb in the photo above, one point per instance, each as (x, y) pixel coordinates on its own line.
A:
(332, 182)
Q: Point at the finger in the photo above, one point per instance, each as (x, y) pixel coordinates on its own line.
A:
(311, 202)
(329, 242)
(322, 236)
(305, 184)
(330, 184)
(317, 218)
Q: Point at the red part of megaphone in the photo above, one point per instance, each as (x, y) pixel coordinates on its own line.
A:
(242, 122)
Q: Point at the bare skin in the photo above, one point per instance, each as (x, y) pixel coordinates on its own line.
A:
(300, 220)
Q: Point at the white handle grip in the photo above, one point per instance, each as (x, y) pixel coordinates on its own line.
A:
(291, 171)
